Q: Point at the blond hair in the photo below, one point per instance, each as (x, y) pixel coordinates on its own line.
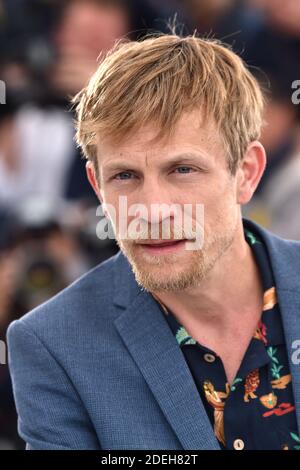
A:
(156, 79)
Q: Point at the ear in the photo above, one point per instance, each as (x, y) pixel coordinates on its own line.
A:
(250, 172)
(93, 180)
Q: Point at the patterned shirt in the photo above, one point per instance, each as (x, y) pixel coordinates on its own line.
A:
(257, 411)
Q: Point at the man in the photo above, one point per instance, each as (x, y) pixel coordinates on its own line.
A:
(184, 343)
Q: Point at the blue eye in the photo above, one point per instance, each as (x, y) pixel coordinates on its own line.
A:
(121, 175)
(184, 168)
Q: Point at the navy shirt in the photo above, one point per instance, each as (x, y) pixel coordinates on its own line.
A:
(257, 411)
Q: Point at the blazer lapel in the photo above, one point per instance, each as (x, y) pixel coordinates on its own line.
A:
(289, 302)
(156, 352)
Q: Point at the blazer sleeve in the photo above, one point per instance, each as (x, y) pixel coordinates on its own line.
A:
(51, 415)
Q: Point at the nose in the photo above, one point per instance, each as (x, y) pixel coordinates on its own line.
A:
(157, 201)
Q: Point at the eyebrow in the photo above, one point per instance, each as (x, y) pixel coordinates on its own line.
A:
(186, 157)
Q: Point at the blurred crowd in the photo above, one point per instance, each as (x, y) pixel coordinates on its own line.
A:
(48, 50)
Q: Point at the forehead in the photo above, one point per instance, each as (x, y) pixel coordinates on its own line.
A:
(191, 135)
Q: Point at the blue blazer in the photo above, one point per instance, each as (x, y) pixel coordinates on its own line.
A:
(97, 366)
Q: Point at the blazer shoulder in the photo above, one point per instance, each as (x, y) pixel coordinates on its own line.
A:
(87, 296)
(289, 248)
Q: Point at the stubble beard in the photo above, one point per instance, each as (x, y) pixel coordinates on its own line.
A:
(175, 272)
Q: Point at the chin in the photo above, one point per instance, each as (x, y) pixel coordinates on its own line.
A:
(161, 278)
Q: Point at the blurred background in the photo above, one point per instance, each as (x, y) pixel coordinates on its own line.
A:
(48, 50)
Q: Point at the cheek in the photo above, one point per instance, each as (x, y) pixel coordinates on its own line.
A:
(220, 204)
(109, 207)
(214, 197)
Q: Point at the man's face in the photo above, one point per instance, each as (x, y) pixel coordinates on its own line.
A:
(189, 169)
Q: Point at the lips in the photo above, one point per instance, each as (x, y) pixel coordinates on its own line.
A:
(159, 243)
(162, 248)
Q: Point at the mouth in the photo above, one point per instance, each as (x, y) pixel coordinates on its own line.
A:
(160, 247)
